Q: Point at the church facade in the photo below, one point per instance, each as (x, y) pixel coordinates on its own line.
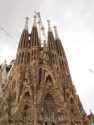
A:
(36, 88)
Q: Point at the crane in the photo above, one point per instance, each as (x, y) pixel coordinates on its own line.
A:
(41, 27)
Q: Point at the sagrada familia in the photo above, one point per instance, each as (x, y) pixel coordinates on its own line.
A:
(36, 88)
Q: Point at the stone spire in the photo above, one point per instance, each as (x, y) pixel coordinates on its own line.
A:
(26, 24)
(51, 41)
(49, 26)
(58, 42)
(56, 33)
(61, 52)
(34, 40)
(24, 36)
(34, 22)
(23, 45)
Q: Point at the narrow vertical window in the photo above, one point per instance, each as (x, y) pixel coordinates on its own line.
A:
(40, 75)
(28, 57)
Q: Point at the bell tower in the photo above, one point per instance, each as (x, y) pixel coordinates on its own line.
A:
(23, 56)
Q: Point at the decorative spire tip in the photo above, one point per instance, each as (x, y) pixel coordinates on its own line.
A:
(27, 18)
(26, 23)
(34, 23)
(56, 33)
(49, 27)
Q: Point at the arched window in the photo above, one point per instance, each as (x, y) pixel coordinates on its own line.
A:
(67, 95)
(51, 43)
(49, 78)
(34, 37)
(22, 57)
(32, 55)
(71, 100)
(49, 81)
(63, 65)
(24, 44)
(55, 59)
(25, 57)
(29, 43)
(26, 107)
(35, 54)
(48, 97)
(27, 94)
(28, 57)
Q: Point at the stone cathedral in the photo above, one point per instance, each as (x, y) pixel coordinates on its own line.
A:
(36, 88)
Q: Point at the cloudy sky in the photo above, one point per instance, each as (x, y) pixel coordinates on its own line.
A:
(75, 22)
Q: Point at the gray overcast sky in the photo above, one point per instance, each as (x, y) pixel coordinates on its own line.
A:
(75, 22)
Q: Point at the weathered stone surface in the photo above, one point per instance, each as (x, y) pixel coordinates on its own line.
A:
(39, 89)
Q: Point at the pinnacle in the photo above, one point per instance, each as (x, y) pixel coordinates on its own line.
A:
(26, 23)
(4, 64)
(56, 33)
(49, 27)
(34, 23)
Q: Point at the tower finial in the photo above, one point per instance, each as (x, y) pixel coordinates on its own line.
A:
(56, 33)
(26, 23)
(49, 27)
(34, 23)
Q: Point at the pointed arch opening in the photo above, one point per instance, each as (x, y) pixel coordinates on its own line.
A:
(26, 107)
(48, 97)
(49, 81)
(28, 57)
(24, 42)
(22, 57)
(71, 100)
(27, 94)
(49, 78)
